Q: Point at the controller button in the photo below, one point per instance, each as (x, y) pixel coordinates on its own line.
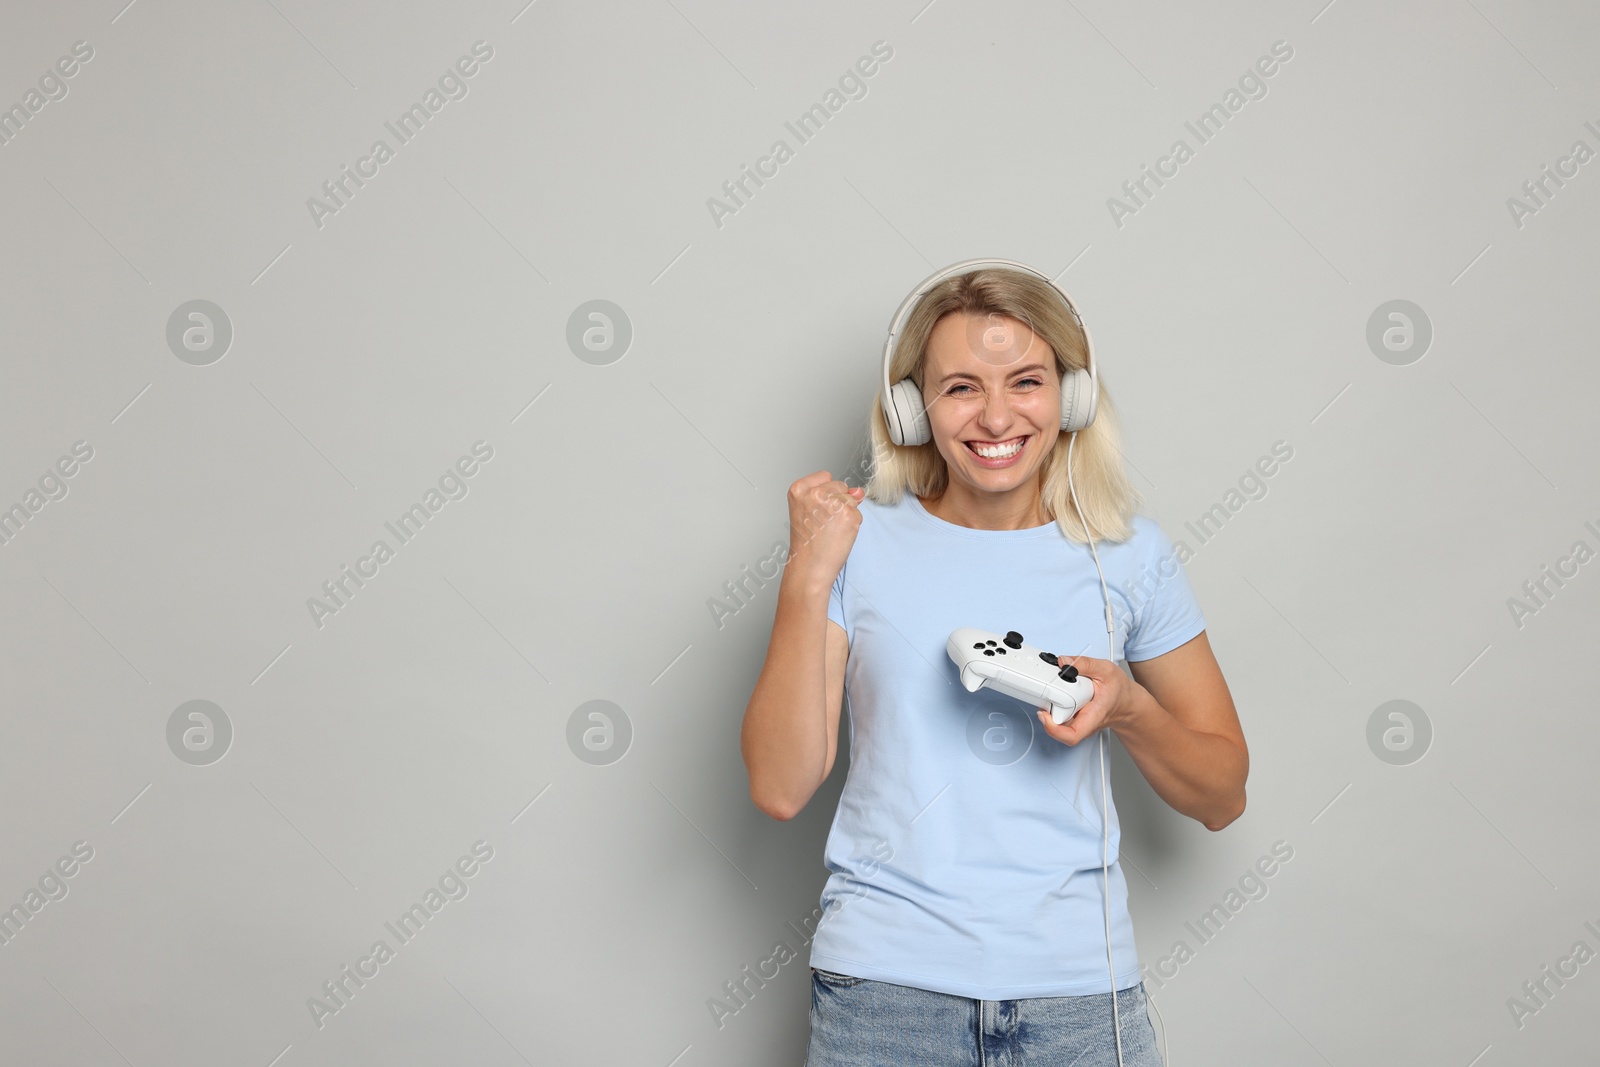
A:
(991, 644)
(1069, 673)
(978, 645)
(1001, 651)
(1013, 639)
(988, 652)
(1050, 658)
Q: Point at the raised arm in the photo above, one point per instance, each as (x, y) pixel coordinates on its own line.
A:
(791, 725)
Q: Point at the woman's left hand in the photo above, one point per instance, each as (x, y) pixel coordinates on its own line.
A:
(1114, 693)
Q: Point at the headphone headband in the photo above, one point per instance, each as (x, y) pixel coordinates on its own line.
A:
(900, 432)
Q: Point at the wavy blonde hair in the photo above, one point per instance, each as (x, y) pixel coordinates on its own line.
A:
(1109, 500)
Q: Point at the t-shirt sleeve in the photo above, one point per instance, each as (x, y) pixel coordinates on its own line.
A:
(1165, 611)
(836, 600)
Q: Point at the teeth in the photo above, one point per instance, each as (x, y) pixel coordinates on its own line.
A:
(997, 451)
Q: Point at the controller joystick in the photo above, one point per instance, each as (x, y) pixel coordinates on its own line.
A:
(1034, 677)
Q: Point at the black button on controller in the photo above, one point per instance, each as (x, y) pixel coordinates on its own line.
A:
(1050, 658)
(1069, 673)
(1013, 639)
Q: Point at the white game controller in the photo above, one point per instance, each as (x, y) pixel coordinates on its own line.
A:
(1006, 665)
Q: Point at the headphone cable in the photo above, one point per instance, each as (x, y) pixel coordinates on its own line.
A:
(1105, 805)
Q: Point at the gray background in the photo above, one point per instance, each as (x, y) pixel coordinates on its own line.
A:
(431, 311)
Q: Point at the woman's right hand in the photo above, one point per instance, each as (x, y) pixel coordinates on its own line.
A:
(824, 515)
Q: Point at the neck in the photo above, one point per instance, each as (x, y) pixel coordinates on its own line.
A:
(1015, 509)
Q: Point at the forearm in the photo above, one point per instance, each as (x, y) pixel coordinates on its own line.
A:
(1198, 774)
(784, 737)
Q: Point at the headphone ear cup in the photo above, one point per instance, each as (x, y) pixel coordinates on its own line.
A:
(907, 418)
(1079, 399)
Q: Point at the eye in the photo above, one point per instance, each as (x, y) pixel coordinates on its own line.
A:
(1030, 383)
(954, 389)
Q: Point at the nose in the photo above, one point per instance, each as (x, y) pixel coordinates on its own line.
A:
(996, 411)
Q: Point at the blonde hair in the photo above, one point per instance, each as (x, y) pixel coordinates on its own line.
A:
(1108, 499)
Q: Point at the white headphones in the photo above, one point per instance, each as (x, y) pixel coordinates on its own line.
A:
(902, 401)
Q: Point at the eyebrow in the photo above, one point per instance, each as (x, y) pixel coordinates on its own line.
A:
(1032, 368)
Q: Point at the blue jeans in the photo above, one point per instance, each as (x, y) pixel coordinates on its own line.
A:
(860, 1022)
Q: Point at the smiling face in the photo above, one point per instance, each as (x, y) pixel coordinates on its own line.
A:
(993, 394)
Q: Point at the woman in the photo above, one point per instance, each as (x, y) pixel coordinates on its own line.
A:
(970, 862)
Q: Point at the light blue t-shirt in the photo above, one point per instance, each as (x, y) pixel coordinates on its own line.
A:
(965, 855)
